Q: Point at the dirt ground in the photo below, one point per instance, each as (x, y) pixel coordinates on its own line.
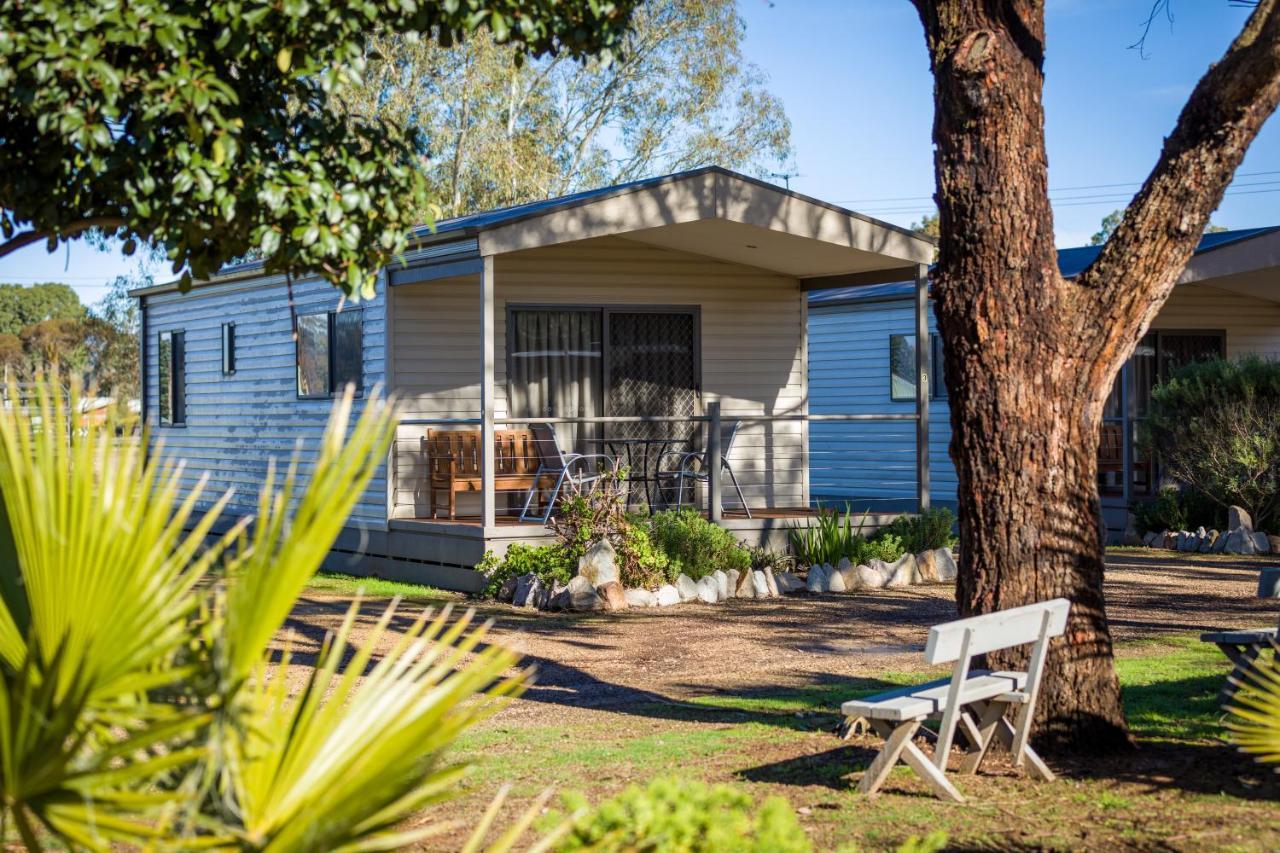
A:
(747, 691)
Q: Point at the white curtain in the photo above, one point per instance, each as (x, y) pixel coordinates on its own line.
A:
(556, 371)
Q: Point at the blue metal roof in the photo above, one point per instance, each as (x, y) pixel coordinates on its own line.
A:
(1071, 262)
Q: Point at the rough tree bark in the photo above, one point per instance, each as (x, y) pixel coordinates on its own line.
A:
(1031, 356)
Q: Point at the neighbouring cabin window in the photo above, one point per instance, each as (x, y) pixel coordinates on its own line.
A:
(902, 368)
(172, 378)
(330, 352)
(228, 349)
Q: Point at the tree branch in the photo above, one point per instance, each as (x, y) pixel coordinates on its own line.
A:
(73, 229)
(1138, 266)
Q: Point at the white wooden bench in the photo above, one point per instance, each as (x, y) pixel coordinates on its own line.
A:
(973, 700)
(1242, 646)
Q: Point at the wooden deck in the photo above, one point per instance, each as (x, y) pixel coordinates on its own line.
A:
(735, 515)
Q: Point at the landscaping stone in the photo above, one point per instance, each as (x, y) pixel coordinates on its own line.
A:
(559, 598)
(1240, 541)
(873, 576)
(771, 582)
(1170, 542)
(525, 586)
(1261, 542)
(927, 565)
(903, 572)
(722, 584)
(731, 588)
(507, 591)
(688, 589)
(599, 564)
(1183, 537)
(789, 582)
(844, 564)
(582, 595)
(1151, 539)
(835, 582)
(708, 590)
(643, 598)
(817, 580)
(613, 595)
(1239, 517)
(849, 573)
(667, 595)
(760, 584)
(542, 595)
(1274, 542)
(743, 587)
(1220, 544)
(947, 568)
(1206, 544)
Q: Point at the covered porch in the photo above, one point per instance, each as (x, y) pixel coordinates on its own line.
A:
(642, 326)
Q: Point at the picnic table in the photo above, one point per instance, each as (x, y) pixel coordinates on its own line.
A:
(1243, 646)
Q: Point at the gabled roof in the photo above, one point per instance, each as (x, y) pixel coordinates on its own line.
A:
(1071, 262)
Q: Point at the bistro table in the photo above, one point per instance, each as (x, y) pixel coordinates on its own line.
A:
(641, 455)
(1243, 646)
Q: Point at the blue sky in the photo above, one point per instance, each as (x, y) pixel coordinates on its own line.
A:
(854, 77)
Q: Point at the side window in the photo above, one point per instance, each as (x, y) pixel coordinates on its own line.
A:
(172, 378)
(902, 367)
(330, 351)
(937, 369)
(228, 349)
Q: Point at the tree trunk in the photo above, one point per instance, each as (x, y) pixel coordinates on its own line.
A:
(1030, 356)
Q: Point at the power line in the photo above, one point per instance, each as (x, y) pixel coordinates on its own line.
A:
(1078, 201)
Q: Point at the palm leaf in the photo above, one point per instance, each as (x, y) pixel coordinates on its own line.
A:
(1256, 707)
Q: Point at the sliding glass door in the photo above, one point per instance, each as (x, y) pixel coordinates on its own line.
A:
(588, 362)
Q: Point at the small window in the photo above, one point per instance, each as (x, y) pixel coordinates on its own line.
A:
(330, 352)
(902, 367)
(228, 349)
(173, 378)
(937, 370)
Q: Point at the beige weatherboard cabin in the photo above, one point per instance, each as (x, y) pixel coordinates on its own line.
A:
(639, 322)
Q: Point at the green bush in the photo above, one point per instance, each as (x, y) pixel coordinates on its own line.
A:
(1176, 508)
(685, 815)
(1215, 427)
(883, 545)
(694, 545)
(835, 537)
(551, 563)
(924, 532)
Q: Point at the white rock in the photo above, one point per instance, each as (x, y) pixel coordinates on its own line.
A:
(1261, 542)
(688, 589)
(835, 582)
(708, 590)
(642, 598)
(947, 568)
(817, 580)
(599, 564)
(1220, 544)
(873, 576)
(731, 586)
(1206, 544)
(760, 584)
(582, 595)
(722, 584)
(903, 572)
(771, 583)
(789, 583)
(1238, 516)
(1240, 541)
(668, 595)
(845, 563)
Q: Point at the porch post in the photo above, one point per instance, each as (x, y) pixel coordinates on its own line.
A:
(488, 513)
(923, 356)
(715, 506)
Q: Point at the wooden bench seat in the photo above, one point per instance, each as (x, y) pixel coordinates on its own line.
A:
(925, 700)
(973, 701)
(454, 461)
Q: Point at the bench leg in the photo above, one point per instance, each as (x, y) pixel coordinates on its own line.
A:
(898, 745)
(1036, 768)
(980, 734)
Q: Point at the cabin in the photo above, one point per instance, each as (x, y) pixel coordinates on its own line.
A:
(631, 325)
(862, 351)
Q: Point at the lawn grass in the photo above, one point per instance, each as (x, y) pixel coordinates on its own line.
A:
(781, 741)
(333, 583)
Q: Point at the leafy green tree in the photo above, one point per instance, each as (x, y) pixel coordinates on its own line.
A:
(928, 226)
(1112, 220)
(26, 305)
(505, 132)
(214, 129)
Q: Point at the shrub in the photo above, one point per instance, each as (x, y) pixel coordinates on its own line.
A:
(884, 545)
(1215, 426)
(677, 814)
(924, 532)
(600, 513)
(835, 538)
(551, 563)
(694, 545)
(1176, 508)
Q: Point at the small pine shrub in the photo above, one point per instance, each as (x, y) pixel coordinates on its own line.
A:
(927, 531)
(695, 546)
(691, 816)
(882, 546)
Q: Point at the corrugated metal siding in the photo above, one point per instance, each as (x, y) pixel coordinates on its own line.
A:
(752, 346)
(237, 424)
(871, 463)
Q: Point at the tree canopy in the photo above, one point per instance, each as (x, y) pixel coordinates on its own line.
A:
(214, 129)
(22, 306)
(504, 132)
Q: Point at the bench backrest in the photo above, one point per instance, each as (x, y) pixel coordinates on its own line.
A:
(456, 452)
(994, 631)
